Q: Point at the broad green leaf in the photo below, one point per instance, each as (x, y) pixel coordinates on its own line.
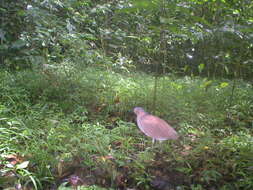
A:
(224, 84)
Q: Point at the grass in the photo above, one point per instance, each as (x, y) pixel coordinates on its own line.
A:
(67, 122)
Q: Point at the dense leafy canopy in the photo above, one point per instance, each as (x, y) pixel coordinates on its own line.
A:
(211, 38)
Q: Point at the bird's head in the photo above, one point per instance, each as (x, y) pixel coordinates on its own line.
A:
(139, 111)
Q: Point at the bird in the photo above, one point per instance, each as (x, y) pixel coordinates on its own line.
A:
(154, 127)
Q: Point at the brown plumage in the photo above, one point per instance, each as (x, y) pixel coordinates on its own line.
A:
(153, 126)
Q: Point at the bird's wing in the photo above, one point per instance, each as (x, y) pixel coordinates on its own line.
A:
(156, 128)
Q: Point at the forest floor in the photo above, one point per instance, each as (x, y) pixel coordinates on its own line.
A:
(77, 131)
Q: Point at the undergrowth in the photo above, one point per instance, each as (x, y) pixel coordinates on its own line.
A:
(65, 127)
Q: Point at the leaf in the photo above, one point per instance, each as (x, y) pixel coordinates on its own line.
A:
(18, 44)
(3, 47)
(23, 165)
(144, 4)
(167, 20)
(9, 165)
(33, 181)
(140, 4)
(133, 37)
(60, 167)
(226, 69)
(11, 123)
(201, 20)
(224, 84)
(2, 34)
(2, 10)
(21, 13)
(201, 67)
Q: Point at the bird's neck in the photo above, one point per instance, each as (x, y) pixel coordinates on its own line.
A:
(142, 114)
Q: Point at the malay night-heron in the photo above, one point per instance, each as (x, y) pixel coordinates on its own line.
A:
(154, 127)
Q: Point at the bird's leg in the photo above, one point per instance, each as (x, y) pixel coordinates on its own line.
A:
(160, 146)
(153, 141)
(155, 144)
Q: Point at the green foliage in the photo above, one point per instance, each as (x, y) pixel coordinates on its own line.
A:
(12, 48)
(80, 68)
(93, 187)
(14, 136)
(54, 117)
(193, 37)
